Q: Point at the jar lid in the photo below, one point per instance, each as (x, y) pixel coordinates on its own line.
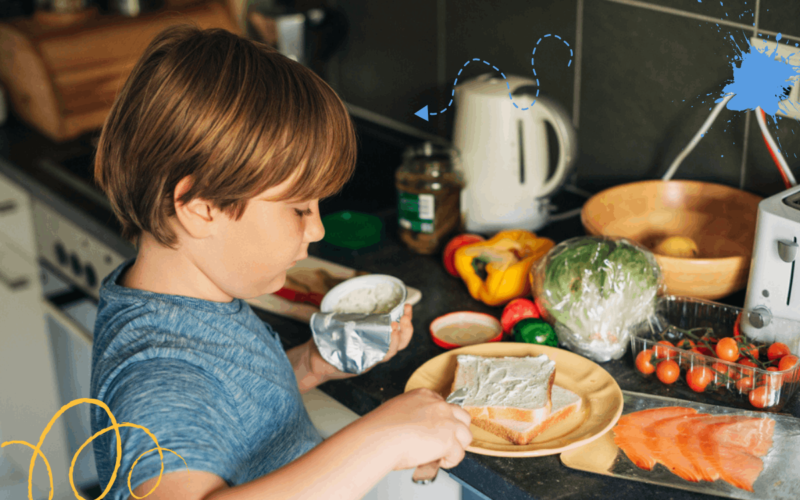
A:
(463, 328)
(352, 230)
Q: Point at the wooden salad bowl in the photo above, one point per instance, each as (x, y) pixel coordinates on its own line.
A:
(720, 219)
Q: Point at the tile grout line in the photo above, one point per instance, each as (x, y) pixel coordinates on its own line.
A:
(576, 92)
(681, 13)
(747, 118)
(441, 54)
(441, 44)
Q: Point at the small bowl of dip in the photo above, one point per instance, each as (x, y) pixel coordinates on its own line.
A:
(463, 328)
(369, 294)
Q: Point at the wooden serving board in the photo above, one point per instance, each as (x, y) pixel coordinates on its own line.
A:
(315, 275)
(780, 479)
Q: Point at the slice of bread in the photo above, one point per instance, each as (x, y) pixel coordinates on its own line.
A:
(509, 388)
(564, 404)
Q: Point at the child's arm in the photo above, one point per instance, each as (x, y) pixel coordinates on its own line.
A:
(311, 369)
(411, 429)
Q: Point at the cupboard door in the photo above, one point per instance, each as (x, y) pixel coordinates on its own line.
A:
(28, 394)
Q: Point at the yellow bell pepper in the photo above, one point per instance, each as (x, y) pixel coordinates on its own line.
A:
(496, 271)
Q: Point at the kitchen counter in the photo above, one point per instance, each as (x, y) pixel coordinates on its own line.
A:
(518, 478)
(507, 478)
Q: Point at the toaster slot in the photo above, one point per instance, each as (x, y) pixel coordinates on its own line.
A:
(791, 278)
(793, 200)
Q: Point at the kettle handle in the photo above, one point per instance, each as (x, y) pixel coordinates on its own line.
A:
(557, 116)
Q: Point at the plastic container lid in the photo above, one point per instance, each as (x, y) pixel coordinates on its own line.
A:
(459, 329)
(353, 230)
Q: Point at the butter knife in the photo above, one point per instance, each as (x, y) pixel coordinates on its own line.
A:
(426, 473)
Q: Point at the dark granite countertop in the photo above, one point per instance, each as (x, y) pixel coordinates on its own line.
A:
(542, 478)
(508, 478)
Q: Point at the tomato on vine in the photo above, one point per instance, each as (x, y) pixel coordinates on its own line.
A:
(727, 350)
(644, 362)
(721, 368)
(664, 352)
(759, 397)
(745, 384)
(699, 377)
(749, 350)
(668, 371)
(777, 351)
(687, 344)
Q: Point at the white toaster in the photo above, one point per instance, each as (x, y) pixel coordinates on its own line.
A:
(772, 303)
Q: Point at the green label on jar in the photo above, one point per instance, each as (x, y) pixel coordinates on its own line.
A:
(416, 211)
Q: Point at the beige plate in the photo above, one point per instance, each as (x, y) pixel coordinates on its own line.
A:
(601, 405)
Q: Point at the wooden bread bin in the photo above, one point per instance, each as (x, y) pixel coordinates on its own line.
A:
(61, 75)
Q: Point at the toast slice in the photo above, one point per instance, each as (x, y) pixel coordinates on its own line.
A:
(509, 388)
(564, 404)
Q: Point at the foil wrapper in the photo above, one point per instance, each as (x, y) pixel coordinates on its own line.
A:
(353, 343)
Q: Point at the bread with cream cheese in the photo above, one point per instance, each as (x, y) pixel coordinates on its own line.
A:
(564, 404)
(508, 388)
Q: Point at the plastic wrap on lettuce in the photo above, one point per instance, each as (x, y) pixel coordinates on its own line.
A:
(595, 291)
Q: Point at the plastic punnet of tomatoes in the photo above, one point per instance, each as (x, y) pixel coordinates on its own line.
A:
(695, 350)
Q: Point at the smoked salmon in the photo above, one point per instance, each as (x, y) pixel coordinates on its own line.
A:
(697, 446)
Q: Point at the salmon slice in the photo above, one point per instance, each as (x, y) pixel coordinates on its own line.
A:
(662, 437)
(629, 436)
(733, 462)
(647, 417)
(752, 434)
(632, 442)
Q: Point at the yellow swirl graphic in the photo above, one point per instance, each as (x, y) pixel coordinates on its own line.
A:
(115, 427)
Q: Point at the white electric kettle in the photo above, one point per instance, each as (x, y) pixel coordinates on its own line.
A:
(503, 153)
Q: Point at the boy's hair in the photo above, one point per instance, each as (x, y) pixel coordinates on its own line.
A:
(232, 113)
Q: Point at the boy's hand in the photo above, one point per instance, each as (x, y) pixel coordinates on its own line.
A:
(401, 336)
(418, 427)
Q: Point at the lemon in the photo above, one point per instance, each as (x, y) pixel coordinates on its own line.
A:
(678, 246)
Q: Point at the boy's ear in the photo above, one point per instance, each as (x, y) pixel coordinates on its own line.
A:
(196, 217)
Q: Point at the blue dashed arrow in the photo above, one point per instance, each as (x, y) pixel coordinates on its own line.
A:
(425, 114)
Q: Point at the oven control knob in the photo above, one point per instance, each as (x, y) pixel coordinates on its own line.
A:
(76, 265)
(61, 254)
(91, 276)
(760, 317)
(787, 250)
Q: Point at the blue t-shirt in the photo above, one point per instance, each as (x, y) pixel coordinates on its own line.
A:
(209, 379)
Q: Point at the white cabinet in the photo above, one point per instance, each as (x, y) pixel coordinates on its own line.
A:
(16, 223)
(28, 393)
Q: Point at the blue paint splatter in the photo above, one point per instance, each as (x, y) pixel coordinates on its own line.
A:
(759, 80)
(778, 38)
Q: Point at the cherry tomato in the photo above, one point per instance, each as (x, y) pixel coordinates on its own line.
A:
(777, 351)
(787, 363)
(644, 362)
(727, 350)
(720, 368)
(734, 374)
(699, 377)
(759, 397)
(751, 349)
(745, 384)
(737, 331)
(668, 371)
(687, 344)
(747, 362)
(662, 352)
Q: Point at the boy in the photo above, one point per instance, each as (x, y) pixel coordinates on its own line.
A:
(214, 156)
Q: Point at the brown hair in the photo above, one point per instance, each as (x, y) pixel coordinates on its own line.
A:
(234, 114)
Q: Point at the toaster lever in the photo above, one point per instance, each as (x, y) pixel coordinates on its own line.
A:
(787, 250)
